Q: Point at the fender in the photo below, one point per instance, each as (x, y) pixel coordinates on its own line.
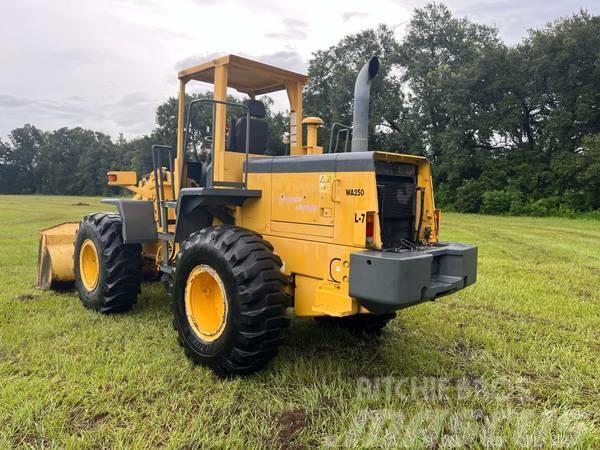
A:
(138, 220)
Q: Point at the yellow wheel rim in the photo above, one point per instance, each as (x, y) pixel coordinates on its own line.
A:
(89, 265)
(206, 302)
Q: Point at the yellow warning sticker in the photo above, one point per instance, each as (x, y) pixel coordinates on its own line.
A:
(325, 183)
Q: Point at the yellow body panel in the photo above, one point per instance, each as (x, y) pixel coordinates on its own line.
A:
(314, 223)
(234, 165)
(298, 198)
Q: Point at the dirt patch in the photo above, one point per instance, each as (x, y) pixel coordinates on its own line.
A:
(25, 297)
(98, 419)
(80, 204)
(290, 423)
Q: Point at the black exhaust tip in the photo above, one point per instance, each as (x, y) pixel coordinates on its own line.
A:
(373, 67)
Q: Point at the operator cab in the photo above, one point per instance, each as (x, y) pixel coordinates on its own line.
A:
(237, 131)
(259, 130)
(198, 163)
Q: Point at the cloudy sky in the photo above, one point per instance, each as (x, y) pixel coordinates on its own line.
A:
(107, 64)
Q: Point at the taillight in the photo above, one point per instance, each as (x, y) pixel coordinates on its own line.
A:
(112, 178)
(370, 227)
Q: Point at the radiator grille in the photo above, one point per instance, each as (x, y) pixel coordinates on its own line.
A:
(396, 185)
(396, 197)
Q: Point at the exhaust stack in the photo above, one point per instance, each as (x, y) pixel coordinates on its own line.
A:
(362, 94)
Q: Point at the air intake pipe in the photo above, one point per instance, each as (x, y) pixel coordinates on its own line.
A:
(362, 94)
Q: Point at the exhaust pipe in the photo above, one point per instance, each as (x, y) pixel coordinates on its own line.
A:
(362, 94)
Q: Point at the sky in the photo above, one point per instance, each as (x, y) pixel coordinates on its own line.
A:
(107, 64)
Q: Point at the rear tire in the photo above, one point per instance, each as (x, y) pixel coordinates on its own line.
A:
(118, 265)
(250, 307)
(369, 324)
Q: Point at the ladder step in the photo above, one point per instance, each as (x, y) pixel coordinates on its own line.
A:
(166, 236)
(166, 269)
(170, 204)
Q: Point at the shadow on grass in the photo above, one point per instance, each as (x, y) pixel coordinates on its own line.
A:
(397, 352)
(312, 347)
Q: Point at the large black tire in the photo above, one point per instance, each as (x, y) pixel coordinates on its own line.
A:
(367, 324)
(254, 319)
(120, 264)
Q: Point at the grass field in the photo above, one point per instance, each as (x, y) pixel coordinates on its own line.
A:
(513, 360)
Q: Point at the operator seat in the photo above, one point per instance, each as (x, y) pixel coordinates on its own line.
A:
(259, 130)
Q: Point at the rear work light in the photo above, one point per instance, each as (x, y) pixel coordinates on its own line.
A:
(370, 227)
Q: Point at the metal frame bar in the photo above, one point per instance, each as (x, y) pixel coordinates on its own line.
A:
(163, 210)
(346, 131)
(344, 128)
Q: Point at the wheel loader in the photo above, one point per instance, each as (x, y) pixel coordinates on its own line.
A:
(238, 235)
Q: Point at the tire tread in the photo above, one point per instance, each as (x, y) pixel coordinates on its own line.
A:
(261, 295)
(122, 265)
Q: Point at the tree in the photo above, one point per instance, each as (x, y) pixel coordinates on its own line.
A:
(75, 161)
(20, 158)
(452, 91)
(588, 173)
(329, 93)
(505, 127)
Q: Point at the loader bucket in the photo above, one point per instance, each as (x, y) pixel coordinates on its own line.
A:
(55, 255)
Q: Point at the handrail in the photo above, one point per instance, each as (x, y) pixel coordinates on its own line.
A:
(159, 188)
(346, 131)
(344, 128)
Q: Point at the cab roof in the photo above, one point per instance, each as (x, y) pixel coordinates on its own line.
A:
(244, 75)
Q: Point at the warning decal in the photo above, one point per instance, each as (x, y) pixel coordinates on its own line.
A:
(325, 183)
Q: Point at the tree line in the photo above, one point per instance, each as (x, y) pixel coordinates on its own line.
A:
(74, 161)
(509, 129)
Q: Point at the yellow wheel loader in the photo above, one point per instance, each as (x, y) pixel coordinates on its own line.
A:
(349, 236)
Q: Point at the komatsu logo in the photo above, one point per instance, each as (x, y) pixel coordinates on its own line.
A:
(355, 192)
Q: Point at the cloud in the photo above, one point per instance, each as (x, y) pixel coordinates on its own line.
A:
(107, 65)
(8, 101)
(131, 113)
(294, 29)
(193, 60)
(352, 14)
(512, 18)
(286, 59)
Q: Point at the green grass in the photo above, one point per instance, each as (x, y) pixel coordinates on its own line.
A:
(512, 358)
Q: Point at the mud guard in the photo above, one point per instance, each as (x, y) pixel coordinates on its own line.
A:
(138, 220)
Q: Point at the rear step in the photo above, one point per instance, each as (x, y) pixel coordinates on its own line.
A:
(443, 284)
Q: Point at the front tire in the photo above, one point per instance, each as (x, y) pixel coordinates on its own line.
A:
(108, 272)
(229, 300)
